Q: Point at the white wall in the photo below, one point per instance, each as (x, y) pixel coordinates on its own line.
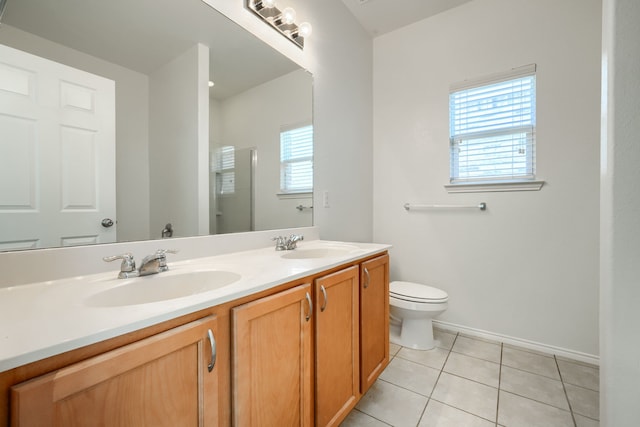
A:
(620, 216)
(132, 126)
(526, 268)
(253, 119)
(179, 144)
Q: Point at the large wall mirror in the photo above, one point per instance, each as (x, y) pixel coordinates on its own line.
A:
(110, 130)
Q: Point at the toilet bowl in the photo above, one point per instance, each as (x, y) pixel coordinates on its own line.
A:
(412, 307)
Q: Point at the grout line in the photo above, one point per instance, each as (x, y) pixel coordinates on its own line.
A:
(533, 373)
(499, 383)
(437, 379)
(404, 388)
(371, 416)
(461, 410)
(478, 358)
(565, 392)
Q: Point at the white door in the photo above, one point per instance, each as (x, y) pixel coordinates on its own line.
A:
(57, 154)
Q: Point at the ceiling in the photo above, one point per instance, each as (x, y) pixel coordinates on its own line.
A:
(142, 35)
(378, 17)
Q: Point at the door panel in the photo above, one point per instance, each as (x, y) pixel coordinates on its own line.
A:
(271, 367)
(374, 320)
(337, 354)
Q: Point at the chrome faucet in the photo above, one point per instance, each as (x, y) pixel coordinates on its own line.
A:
(155, 263)
(128, 266)
(287, 243)
(151, 264)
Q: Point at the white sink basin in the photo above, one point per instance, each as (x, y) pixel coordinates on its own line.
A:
(320, 252)
(162, 287)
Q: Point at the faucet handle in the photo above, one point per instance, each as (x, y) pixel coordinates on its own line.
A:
(128, 266)
(280, 244)
(166, 251)
(161, 254)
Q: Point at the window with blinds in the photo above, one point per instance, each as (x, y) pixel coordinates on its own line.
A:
(296, 160)
(492, 128)
(225, 170)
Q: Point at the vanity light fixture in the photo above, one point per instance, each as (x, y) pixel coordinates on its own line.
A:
(282, 20)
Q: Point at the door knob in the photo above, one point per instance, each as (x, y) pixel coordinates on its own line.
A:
(107, 222)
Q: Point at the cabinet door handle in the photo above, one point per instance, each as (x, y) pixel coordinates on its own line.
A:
(310, 307)
(212, 342)
(367, 278)
(324, 294)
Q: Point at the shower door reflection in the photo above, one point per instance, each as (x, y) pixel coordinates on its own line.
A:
(232, 179)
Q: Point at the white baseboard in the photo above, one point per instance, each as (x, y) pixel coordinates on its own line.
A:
(531, 345)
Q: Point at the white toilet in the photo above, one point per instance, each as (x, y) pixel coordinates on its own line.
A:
(412, 307)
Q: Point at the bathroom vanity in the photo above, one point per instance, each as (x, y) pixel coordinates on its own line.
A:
(288, 338)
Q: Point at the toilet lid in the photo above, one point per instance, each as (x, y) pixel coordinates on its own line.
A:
(417, 292)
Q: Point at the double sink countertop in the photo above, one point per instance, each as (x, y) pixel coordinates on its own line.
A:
(44, 319)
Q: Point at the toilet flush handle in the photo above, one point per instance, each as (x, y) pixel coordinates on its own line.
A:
(367, 278)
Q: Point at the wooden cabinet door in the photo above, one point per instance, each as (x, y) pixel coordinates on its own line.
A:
(271, 360)
(162, 380)
(337, 346)
(374, 320)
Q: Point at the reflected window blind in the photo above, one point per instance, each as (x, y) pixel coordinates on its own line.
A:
(492, 128)
(225, 170)
(296, 160)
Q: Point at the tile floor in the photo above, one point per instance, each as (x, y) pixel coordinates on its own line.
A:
(470, 382)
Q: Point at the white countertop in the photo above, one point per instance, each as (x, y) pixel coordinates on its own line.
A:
(43, 319)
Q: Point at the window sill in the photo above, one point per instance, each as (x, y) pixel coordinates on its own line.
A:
(301, 195)
(486, 187)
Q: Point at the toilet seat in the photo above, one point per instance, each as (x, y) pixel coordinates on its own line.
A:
(417, 293)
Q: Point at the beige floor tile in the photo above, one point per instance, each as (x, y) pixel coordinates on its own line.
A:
(532, 386)
(411, 375)
(433, 358)
(470, 396)
(580, 375)
(517, 411)
(584, 401)
(443, 339)
(530, 362)
(392, 404)
(585, 422)
(360, 419)
(474, 369)
(440, 415)
(478, 348)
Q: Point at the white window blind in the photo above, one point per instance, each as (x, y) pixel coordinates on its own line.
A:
(296, 160)
(225, 170)
(492, 128)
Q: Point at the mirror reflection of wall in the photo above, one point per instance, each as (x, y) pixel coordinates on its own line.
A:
(162, 171)
(250, 125)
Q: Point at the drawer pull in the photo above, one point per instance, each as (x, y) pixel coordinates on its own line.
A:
(212, 342)
(324, 294)
(367, 278)
(310, 307)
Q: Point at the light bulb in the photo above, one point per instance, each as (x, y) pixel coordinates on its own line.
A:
(269, 3)
(288, 15)
(211, 83)
(304, 29)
